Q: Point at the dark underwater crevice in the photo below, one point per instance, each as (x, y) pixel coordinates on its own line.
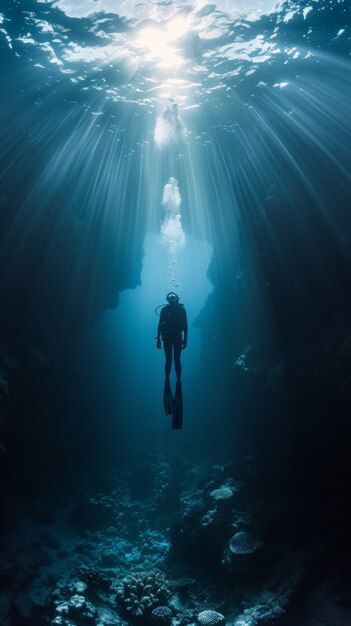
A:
(276, 344)
(57, 278)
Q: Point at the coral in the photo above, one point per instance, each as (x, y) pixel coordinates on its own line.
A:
(192, 504)
(222, 493)
(162, 615)
(62, 592)
(76, 611)
(142, 591)
(94, 578)
(210, 618)
(209, 518)
(219, 502)
(244, 543)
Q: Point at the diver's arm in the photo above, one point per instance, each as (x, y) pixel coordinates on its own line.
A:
(185, 330)
(158, 343)
(161, 324)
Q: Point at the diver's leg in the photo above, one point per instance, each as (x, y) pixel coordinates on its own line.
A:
(167, 346)
(177, 352)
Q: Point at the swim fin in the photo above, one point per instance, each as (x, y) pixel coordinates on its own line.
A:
(168, 398)
(177, 420)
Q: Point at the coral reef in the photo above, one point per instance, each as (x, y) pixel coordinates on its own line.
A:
(140, 592)
(94, 579)
(209, 514)
(129, 564)
(244, 543)
(77, 611)
(222, 493)
(161, 615)
(211, 618)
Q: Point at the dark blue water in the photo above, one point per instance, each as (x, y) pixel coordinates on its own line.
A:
(201, 148)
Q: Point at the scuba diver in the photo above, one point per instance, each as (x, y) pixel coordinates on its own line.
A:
(173, 329)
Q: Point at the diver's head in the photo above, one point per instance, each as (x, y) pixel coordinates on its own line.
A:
(172, 298)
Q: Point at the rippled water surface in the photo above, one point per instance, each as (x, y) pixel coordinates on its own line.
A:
(238, 87)
(199, 52)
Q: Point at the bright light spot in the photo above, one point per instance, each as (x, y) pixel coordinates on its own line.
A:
(160, 42)
(306, 11)
(177, 27)
(289, 16)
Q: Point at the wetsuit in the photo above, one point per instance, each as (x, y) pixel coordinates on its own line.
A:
(173, 322)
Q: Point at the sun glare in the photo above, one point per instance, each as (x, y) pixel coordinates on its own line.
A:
(160, 42)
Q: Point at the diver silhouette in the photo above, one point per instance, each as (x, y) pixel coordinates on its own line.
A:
(173, 329)
(173, 323)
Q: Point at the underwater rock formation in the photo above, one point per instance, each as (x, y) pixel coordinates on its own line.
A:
(266, 607)
(113, 575)
(208, 515)
(94, 512)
